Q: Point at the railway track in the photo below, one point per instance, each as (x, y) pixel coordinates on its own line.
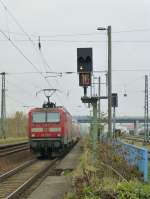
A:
(17, 180)
(135, 138)
(13, 148)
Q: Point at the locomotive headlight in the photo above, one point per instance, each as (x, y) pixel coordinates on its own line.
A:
(32, 135)
(58, 134)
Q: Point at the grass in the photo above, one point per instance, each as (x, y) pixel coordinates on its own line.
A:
(13, 140)
(94, 181)
(149, 172)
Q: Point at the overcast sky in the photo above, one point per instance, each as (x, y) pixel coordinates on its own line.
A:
(64, 26)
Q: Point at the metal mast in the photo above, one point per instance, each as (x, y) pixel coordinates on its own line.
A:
(99, 94)
(109, 84)
(3, 106)
(109, 79)
(146, 133)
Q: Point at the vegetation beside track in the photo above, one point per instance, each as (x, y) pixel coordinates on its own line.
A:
(15, 129)
(13, 140)
(105, 175)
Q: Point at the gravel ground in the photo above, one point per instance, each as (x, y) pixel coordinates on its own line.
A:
(11, 161)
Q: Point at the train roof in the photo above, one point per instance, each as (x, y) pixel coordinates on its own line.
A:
(55, 108)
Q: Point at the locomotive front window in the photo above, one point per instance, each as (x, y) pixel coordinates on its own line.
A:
(53, 117)
(38, 117)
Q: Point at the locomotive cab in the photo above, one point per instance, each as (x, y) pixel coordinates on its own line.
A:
(50, 130)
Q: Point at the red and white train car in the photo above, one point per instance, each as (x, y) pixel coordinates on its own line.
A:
(51, 130)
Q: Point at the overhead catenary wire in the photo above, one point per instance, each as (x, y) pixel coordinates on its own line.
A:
(25, 33)
(81, 41)
(29, 38)
(15, 100)
(73, 72)
(120, 70)
(22, 29)
(29, 61)
(19, 25)
(41, 54)
(77, 34)
(26, 92)
(19, 50)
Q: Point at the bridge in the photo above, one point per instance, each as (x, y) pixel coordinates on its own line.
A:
(119, 119)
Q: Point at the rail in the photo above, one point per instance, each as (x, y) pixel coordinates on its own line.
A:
(13, 148)
(134, 138)
(16, 181)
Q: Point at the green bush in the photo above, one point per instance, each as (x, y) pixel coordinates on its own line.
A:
(133, 190)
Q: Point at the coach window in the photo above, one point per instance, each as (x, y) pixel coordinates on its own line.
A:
(53, 117)
(38, 117)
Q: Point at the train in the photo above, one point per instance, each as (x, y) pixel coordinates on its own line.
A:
(52, 130)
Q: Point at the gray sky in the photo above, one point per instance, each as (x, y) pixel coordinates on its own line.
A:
(60, 24)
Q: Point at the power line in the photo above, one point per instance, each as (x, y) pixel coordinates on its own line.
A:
(19, 25)
(76, 34)
(21, 52)
(22, 89)
(51, 36)
(22, 29)
(133, 30)
(73, 72)
(25, 73)
(29, 38)
(15, 100)
(79, 41)
(131, 70)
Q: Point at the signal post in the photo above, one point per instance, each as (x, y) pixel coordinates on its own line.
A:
(85, 69)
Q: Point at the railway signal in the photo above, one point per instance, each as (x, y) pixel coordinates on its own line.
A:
(84, 60)
(114, 104)
(114, 98)
(84, 67)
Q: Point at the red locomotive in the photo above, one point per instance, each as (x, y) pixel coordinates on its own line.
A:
(51, 130)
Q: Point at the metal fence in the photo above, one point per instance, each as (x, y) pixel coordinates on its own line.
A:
(135, 156)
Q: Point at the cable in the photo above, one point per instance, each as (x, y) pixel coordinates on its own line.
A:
(81, 41)
(78, 34)
(73, 72)
(18, 33)
(22, 89)
(98, 71)
(20, 51)
(22, 29)
(53, 36)
(131, 70)
(14, 100)
(24, 73)
(134, 30)
(70, 35)
(6, 8)
(29, 61)
(35, 67)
